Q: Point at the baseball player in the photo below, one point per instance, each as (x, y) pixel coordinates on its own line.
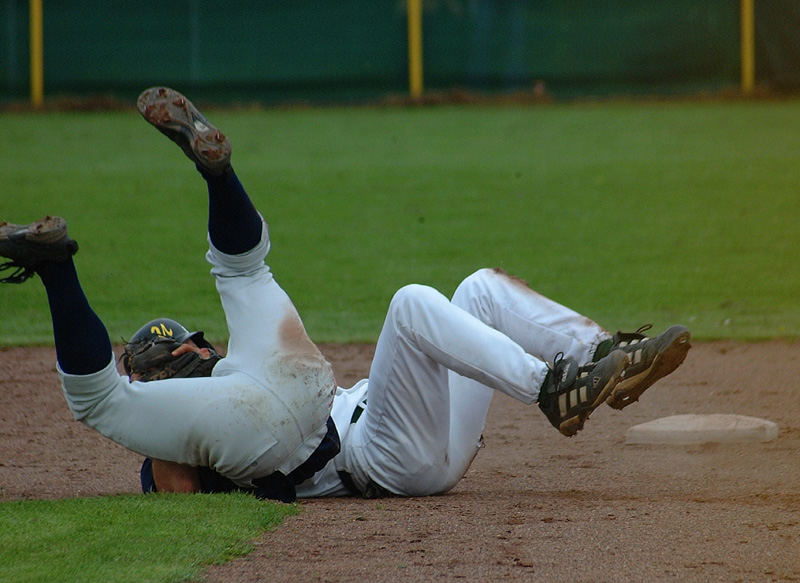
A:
(415, 425)
(412, 428)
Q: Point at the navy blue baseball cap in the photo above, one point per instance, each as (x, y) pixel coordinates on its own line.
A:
(168, 328)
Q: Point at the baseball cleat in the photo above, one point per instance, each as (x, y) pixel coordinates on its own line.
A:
(571, 392)
(175, 117)
(651, 359)
(28, 247)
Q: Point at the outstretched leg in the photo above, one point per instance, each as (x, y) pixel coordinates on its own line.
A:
(234, 224)
(267, 339)
(44, 248)
(261, 318)
(81, 339)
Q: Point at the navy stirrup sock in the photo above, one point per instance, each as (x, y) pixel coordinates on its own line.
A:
(81, 339)
(234, 224)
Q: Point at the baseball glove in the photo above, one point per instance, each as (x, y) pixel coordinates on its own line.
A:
(152, 360)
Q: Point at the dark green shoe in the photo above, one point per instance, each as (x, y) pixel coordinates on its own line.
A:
(175, 117)
(28, 247)
(570, 392)
(651, 360)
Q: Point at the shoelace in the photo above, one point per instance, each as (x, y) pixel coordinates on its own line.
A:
(20, 274)
(556, 361)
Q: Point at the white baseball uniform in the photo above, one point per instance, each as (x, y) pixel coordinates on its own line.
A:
(265, 407)
(436, 365)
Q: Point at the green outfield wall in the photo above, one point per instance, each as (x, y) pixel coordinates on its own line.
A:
(358, 49)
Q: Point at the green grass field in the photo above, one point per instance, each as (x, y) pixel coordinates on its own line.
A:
(628, 212)
(158, 538)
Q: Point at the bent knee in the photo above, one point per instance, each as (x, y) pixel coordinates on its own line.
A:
(477, 279)
(412, 296)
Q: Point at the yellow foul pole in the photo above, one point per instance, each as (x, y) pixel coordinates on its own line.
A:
(36, 57)
(748, 45)
(414, 8)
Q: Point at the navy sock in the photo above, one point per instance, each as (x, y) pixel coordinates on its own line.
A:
(81, 339)
(234, 224)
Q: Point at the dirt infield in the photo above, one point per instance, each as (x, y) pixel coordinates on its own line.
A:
(534, 507)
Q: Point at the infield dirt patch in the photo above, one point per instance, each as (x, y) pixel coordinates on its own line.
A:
(535, 506)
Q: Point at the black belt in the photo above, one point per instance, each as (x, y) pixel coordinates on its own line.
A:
(279, 487)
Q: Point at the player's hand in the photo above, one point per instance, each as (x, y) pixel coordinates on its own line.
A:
(186, 347)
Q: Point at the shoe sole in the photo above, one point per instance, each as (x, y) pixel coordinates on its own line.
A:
(43, 234)
(28, 247)
(571, 426)
(175, 116)
(45, 231)
(628, 391)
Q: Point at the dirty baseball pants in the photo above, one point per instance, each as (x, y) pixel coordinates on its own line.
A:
(437, 364)
(266, 405)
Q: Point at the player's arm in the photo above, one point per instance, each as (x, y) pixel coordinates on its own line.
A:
(173, 477)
